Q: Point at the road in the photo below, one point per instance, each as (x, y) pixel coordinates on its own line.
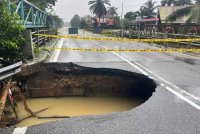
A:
(173, 109)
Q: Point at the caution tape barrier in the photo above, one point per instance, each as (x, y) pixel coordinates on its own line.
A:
(122, 50)
(118, 39)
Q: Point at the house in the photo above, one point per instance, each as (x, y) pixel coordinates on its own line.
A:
(159, 23)
(145, 24)
(107, 21)
(179, 26)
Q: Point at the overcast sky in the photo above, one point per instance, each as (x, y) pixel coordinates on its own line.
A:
(66, 9)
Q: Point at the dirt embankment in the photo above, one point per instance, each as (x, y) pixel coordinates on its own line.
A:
(68, 79)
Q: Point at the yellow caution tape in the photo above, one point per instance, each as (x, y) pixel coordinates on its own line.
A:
(122, 50)
(118, 39)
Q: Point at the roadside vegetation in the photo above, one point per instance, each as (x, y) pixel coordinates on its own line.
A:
(98, 7)
(12, 32)
(11, 36)
(75, 21)
(147, 10)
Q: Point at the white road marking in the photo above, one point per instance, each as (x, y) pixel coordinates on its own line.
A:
(183, 98)
(162, 85)
(151, 77)
(56, 53)
(188, 55)
(181, 90)
(19, 130)
(130, 63)
(169, 89)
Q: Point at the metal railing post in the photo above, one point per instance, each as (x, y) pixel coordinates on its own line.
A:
(8, 5)
(44, 36)
(22, 11)
(38, 38)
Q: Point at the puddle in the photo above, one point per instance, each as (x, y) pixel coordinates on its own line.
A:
(188, 61)
(75, 106)
(72, 90)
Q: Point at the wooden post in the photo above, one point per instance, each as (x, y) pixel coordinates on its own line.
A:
(165, 37)
(12, 104)
(189, 45)
(130, 34)
(4, 98)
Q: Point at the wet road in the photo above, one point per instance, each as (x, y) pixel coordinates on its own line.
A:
(173, 109)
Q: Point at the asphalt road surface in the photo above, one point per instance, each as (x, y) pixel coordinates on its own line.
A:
(173, 109)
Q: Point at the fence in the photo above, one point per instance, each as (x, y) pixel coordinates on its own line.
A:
(38, 40)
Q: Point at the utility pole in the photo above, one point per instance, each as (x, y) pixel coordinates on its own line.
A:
(122, 23)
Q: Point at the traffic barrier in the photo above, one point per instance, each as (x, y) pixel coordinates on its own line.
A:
(118, 39)
(122, 50)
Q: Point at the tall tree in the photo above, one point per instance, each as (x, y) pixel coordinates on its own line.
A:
(182, 2)
(43, 4)
(148, 9)
(86, 21)
(167, 2)
(54, 21)
(131, 15)
(193, 11)
(75, 21)
(98, 7)
(113, 11)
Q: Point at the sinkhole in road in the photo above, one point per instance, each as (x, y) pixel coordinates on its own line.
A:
(72, 90)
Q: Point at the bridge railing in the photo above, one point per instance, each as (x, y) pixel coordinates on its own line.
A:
(31, 16)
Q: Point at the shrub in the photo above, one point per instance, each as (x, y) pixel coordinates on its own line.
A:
(11, 35)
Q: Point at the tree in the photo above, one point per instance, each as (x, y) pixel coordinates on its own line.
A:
(197, 2)
(117, 21)
(54, 21)
(43, 4)
(125, 23)
(182, 2)
(148, 9)
(98, 7)
(11, 35)
(86, 22)
(75, 21)
(167, 2)
(131, 15)
(113, 11)
(83, 23)
(193, 11)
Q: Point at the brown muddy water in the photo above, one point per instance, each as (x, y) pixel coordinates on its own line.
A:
(74, 106)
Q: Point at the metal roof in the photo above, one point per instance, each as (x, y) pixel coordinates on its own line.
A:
(167, 10)
(145, 20)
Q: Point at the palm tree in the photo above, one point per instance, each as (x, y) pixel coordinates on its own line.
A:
(113, 11)
(131, 15)
(98, 7)
(193, 11)
(148, 8)
(167, 2)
